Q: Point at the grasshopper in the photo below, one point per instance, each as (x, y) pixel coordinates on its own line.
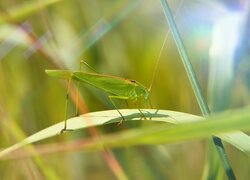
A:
(117, 87)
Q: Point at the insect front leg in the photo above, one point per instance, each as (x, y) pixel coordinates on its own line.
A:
(150, 104)
(118, 97)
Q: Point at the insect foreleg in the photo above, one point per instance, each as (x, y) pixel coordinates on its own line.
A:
(150, 104)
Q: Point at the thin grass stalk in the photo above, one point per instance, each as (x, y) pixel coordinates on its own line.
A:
(196, 86)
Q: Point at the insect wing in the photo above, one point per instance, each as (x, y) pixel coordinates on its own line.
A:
(111, 84)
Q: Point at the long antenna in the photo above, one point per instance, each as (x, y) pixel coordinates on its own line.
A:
(157, 62)
(160, 53)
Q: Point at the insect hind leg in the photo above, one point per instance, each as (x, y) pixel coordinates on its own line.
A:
(66, 109)
(118, 97)
(142, 115)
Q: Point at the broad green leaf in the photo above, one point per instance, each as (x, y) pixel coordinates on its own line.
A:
(187, 127)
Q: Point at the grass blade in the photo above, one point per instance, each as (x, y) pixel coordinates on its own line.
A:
(187, 127)
(196, 86)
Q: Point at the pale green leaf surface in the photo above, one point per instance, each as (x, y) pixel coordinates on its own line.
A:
(188, 127)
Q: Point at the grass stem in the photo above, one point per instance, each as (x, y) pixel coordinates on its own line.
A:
(196, 86)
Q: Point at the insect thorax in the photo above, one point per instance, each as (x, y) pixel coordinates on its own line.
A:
(142, 92)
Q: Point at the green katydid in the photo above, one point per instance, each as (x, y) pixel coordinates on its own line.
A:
(117, 87)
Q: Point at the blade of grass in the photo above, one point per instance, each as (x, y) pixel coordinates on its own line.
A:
(196, 86)
(188, 127)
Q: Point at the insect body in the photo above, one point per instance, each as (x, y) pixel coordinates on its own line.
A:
(117, 87)
(121, 88)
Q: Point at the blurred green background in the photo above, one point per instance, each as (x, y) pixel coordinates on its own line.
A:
(120, 38)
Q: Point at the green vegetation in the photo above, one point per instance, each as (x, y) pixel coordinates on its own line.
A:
(123, 39)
